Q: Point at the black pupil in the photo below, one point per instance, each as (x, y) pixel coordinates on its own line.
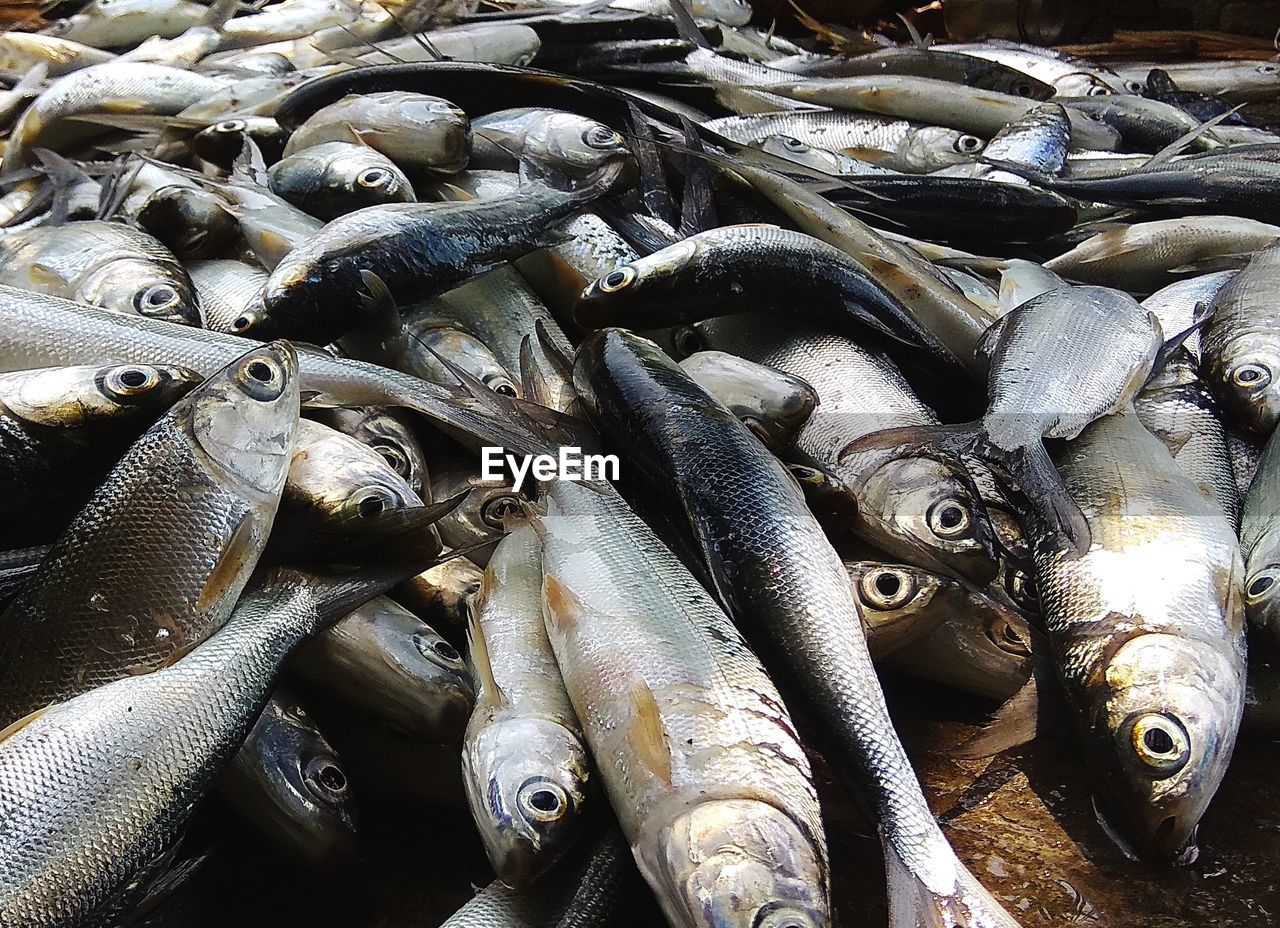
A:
(260, 371)
(331, 778)
(159, 296)
(241, 323)
(888, 585)
(505, 389)
(951, 517)
(544, 800)
(373, 177)
(1157, 741)
(447, 651)
(393, 457)
(370, 506)
(1260, 586)
(1249, 375)
(615, 279)
(133, 378)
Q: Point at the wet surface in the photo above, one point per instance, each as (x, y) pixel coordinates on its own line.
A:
(1023, 822)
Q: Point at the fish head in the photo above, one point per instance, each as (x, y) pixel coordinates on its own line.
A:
(773, 404)
(440, 131)
(418, 670)
(74, 396)
(622, 295)
(333, 476)
(139, 288)
(928, 148)
(388, 435)
(572, 151)
(526, 782)
(736, 863)
(1262, 597)
(893, 601)
(1245, 375)
(792, 149)
(245, 416)
(925, 507)
(1165, 718)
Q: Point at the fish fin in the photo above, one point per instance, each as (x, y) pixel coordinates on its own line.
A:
(239, 549)
(490, 696)
(646, 734)
(698, 200)
(382, 339)
(1214, 263)
(560, 607)
(917, 439)
(655, 191)
(63, 175)
(45, 274)
(219, 12)
(645, 238)
(1200, 317)
(1038, 707)
(961, 902)
(986, 346)
(1112, 243)
(917, 39)
(1032, 473)
(22, 723)
(116, 190)
(173, 876)
(686, 26)
(1182, 141)
(249, 166)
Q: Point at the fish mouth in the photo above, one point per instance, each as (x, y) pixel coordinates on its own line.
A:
(1168, 843)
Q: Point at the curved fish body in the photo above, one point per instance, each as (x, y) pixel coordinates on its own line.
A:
(955, 67)
(1068, 78)
(1038, 140)
(409, 128)
(104, 264)
(387, 433)
(101, 607)
(1176, 305)
(1147, 629)
(287, 782)
(497, 42)
(333, 178)
(772, 562)
(1146, 256)
(525, 766)
(226, 288)
(97, 791)
(693, 746)
(561, 146)
(432, 341)
(919, 508)
(22, 51)
(1260, 542)
(112, 87)
(1240, 348)
(1238, 81)
(899, 144)
(416, 249)
(291, 19)
(1177, 408)
(186, 217)
(63, 429)
(773, 404)
(1143, 124)
(125, 23)
(393, 668)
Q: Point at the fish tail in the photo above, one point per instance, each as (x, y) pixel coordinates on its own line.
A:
(1033, 474)
(952, 897)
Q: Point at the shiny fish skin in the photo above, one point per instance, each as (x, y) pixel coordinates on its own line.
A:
(1260, 542)
(1147, 629)
(333, 178)
(287, 782)
(115, 23)
(525, 767)
(693, 746)
(1241, 345)
(88, 824)
(773, 564)
(105, 264)
(101, 607)
(22, 51)
(1175, 305)
(387, 433)
(226, 288)
(773, 404)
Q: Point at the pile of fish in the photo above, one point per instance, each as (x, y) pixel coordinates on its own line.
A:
(956, 360)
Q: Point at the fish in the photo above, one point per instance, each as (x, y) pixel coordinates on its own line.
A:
(409, 128)
(1239, 346)
(1038, 389)
(287, 782)
(105, 264)
(122, 767)
(432, 341)
(920, 507)
(774, 405)
(333, 178)
(62, 429)
(392, 668)
(1258, 543)
(444, 593)
(189, 219)
(387, 433)
(20, 52)
(693, 746)
(496, 42)
(226, 288)
(525, 766)
(568, 148)
(1147, 631)
(117, 23)
(1238, 81)
(98, 610)
(1068, 78)
(894, 604)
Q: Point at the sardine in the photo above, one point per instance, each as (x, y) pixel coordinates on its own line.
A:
(333, 178)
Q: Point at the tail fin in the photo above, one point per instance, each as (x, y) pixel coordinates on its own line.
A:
(1033, 474)
(956, 900)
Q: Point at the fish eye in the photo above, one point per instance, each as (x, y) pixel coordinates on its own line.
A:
(1023, 89)
(617, 280)
(437, 649)
(601, 137)
(131, 381)
(886, 588)
(156, 300)
(1262, 584)
(541, 800)
(793, 144)
(501, 385)
(262, 378)
(1250, 376)
(1021, 588)
(374, 177)
(687, 340)
(1160, 742)
(1133, 87)
(59, 26)
(1099, 90)
(968, 144)
(395, 458)
(371, 502)
(325, 779)
(780, 915)
(496, 512)
(232, 126)
(1007, 637)
(1268, 68)
(949, 518)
